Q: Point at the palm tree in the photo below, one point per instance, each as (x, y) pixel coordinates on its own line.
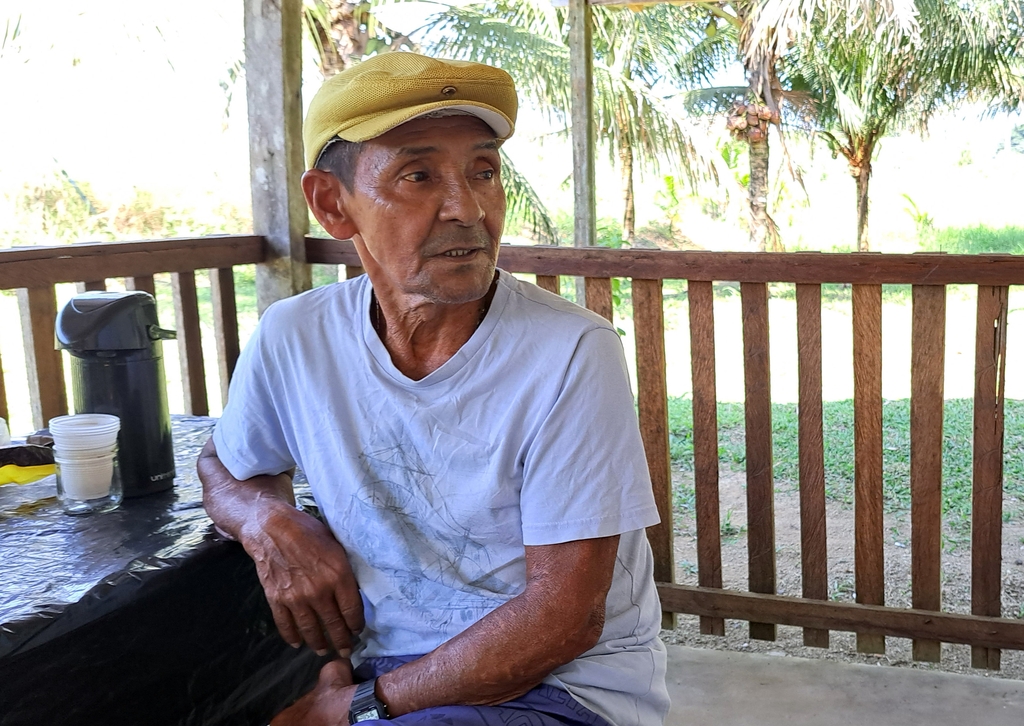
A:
(764, 31)
(343, 32)
(865, 85)
(641, 58)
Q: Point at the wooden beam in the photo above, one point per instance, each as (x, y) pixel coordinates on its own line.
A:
(4, 413)
(987, 498)
(927, 369)
(273, 83)
(43, 362)
(581, 72)
(869, 542)
(757, 408)
(599, 297)
(550, 283)
(652, 406)
(849, 617)
(701, 299)
(44, 266)
(813, 540)
(190, 347)
(799, 267)
(225, 327)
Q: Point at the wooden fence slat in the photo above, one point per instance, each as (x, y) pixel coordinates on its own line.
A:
(758, 426)
(701, 298)
(599, 296)
(652, 404)
(38, 306)
(987, 503)
(551, 283)
(143, 283)
(928, 354)
(190, 350)
(846, 616)
(91, 286)
(4, 413)
(225, 326)
(867, 417)
(813, 540)
(353, 271)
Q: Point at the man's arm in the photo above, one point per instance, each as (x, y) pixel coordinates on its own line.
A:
(559, 616)
(304, 571)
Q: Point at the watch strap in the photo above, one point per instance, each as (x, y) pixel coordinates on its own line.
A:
(365, 704)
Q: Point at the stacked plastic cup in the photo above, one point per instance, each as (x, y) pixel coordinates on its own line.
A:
(85, 453)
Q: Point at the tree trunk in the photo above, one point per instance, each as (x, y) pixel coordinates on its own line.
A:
(629, 209)
(760, 223)
(862, 175)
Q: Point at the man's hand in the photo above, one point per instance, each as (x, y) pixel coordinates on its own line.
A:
(306, 576)
(304, 571)
(325, 705)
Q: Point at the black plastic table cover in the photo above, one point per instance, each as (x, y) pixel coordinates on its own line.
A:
(140, 616)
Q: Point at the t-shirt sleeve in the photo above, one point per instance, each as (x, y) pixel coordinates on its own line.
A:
(585, 474)
(249, 437)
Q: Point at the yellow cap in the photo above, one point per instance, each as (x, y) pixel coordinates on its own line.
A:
(386, 90)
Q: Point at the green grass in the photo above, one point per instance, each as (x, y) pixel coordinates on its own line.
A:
(979, 239)
(839, 455)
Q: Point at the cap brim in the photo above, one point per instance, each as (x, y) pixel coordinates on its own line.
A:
(371, 128)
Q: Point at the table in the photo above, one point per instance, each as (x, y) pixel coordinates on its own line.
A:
(142, 616)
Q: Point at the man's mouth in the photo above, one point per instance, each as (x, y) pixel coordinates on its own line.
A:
(459, 253)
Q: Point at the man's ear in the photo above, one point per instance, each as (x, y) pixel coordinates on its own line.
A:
(326, 199)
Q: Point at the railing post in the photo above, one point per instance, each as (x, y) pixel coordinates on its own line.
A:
(581, 70)
(43, 362)
(273, 70)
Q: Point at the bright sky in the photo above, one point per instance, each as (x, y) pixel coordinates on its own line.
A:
(124, 93)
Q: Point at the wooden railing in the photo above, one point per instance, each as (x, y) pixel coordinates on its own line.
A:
(34, 272)
(868, 617)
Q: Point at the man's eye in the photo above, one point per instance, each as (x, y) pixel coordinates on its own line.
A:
(489, 174)
(417, 176)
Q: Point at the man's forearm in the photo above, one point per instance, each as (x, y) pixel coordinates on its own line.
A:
(515, 647)
(304, 572)
(233, 505)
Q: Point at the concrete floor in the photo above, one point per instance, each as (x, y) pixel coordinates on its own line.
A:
(717, 688)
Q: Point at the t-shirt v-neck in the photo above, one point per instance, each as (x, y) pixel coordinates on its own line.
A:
(380, 355)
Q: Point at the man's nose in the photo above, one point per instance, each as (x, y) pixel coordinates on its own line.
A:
(461, 203)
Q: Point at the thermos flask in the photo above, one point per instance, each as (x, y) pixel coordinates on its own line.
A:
(117, 368)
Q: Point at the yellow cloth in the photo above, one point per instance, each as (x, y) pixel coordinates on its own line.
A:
(11, 474)
(386, 90)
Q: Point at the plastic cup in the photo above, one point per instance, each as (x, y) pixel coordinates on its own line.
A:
(85, 432)
(88, 485)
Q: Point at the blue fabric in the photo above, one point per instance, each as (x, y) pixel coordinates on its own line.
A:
(542, 706)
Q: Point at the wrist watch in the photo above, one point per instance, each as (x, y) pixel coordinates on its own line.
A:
(365, 704)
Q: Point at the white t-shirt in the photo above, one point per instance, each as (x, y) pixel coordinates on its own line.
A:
(526, 436)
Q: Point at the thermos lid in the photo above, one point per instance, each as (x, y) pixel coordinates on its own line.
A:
(102, 321)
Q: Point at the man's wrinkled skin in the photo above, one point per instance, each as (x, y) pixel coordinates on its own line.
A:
(426, 214)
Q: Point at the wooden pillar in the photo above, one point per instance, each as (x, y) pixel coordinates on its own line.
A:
(273, 89)
(581, 69)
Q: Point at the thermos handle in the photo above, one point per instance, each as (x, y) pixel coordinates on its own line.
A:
(158, 333)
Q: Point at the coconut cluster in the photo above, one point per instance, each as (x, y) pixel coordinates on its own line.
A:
(750, 121)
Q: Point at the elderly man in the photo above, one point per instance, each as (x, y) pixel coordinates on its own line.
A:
(470, 440)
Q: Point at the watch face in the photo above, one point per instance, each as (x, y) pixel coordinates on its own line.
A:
(370, 714)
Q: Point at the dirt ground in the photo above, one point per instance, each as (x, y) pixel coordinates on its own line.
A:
(956, 573)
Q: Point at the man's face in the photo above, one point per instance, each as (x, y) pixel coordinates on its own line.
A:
(429, 205)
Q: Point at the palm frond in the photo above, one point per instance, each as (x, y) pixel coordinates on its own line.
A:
(525, 210)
